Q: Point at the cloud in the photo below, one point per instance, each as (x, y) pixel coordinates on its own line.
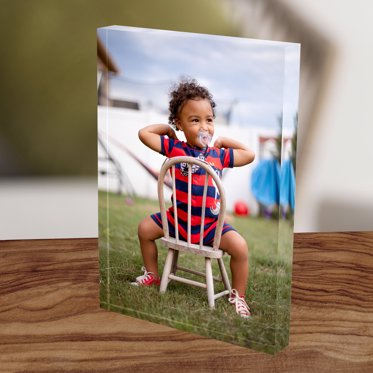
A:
(249, 72)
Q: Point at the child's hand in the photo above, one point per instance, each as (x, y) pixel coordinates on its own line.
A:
(171, 134)
(218, 143)
(150, 135)
(242, 154)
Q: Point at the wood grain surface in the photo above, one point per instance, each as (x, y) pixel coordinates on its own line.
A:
(50, 320)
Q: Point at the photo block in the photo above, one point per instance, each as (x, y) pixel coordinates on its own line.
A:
(196, 163)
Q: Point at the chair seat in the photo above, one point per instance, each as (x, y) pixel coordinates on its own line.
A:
(205, 251)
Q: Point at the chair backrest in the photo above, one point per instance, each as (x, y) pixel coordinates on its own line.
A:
(209, 173)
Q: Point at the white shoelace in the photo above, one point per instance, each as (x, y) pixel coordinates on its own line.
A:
(240, 304)
(144, 277)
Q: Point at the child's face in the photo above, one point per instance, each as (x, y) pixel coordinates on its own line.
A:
(196, 120)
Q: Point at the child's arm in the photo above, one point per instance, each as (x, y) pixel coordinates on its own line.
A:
(242, 154)
(151, 135)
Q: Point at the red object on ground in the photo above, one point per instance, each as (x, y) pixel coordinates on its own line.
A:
(241, 208)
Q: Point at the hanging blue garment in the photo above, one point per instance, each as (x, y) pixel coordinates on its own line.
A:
(265, 182)
(287, 194)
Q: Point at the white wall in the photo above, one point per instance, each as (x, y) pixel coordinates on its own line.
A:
(119, 130)
(335, 182)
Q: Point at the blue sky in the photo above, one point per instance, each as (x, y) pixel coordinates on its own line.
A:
(246, 74)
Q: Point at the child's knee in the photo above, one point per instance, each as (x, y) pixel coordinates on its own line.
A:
(243, 248)
(142, 228)
(236, 246)
(148, 229)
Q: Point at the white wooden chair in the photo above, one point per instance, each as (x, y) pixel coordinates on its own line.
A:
(175, 244)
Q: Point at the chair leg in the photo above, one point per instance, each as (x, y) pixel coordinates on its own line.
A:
(224, 275)
(166, 270)
(174, 262)
(209, 283)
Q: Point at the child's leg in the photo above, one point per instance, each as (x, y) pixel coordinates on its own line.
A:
(148, 232)
(235, 245)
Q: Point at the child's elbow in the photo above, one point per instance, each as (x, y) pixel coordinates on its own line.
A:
(141, 134)
(251, 156)
(244, 157)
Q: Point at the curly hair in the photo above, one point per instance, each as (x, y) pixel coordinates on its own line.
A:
(186, 89)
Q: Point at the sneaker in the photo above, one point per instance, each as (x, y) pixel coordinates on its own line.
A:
(242, 309)
(147, 279)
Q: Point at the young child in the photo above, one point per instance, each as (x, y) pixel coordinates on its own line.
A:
(192, 111)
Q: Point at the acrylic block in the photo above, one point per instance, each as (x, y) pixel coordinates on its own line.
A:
(250, 108)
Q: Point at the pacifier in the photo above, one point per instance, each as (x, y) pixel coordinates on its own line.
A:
(204, 138)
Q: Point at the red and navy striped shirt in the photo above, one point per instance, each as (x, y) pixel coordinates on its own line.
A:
(218, 159)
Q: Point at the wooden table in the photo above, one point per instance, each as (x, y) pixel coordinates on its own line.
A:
(50, 319)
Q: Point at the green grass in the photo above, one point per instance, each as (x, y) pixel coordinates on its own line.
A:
(185, 307)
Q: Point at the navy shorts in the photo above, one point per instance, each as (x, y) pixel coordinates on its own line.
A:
(208, 235)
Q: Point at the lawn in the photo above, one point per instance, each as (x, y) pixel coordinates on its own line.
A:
(185, 307)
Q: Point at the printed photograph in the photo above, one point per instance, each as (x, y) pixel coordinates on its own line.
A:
(196, 176)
